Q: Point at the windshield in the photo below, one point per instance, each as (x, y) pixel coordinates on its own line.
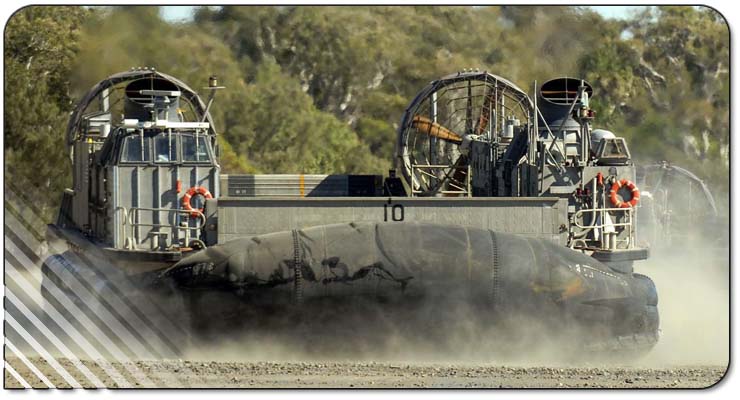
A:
(195, 150)
(165, 148)
(136, 149)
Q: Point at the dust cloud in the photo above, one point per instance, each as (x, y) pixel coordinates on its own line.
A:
(693, 289)
(690, 265)
(439, 331)
(694, 299)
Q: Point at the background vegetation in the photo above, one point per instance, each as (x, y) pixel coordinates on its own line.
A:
(322, 89)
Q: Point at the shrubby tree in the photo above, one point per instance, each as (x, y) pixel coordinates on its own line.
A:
(322, 89)
(662, 81)
(40, 46)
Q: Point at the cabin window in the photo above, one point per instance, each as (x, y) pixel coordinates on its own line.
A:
(136, 149)
(165, 148)
(195, 150)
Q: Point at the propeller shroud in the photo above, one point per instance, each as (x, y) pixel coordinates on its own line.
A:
(443, 118)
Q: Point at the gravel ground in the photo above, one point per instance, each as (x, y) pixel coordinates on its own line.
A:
(178, 373)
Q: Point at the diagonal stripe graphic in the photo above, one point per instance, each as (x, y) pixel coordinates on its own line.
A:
(174, 327)
(23, 265)
(29, 364)
(71, 331)
(97, 334)
(92, 327)
(163, 338)
(15, 301)
(17, 376)
(102, 313)
(94, 295)
(112, 303)
(40, 350)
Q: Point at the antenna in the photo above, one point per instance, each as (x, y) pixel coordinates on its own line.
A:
(212, 87)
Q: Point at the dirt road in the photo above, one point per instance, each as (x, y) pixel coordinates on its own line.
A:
(203, 374)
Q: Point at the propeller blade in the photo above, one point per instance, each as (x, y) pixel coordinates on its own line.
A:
(488, 104)
(423, 124)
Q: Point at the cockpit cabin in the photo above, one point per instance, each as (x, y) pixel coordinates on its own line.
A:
(141, 180)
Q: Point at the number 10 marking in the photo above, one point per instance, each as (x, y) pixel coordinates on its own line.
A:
(397, 212)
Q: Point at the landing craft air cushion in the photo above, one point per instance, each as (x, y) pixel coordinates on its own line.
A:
(496, 198)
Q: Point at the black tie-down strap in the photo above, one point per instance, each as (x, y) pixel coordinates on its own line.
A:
(297, 269)
(495, 273)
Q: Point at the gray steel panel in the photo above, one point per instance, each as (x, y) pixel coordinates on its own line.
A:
(534, 217)
(150, 186)
(295, 185)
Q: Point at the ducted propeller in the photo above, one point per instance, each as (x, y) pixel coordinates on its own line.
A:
(443, 119)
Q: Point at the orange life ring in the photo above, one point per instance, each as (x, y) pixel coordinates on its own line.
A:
(629, 185)
(189, 195)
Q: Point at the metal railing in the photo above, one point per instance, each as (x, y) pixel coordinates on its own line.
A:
(607, 240)
(457, 189)
(179, 233)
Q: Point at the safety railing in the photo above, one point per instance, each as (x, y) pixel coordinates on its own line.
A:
(456, 188)
(605, 235)
(180, 231)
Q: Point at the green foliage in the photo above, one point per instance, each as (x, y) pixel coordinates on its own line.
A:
(40, 44)
(283, 131)
(322, 89)
(665, 87)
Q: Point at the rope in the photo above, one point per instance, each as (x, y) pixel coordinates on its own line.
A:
(297, 269)
(495, 271)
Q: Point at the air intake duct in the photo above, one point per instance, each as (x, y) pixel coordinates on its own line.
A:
(150, 99)
(557, 95)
